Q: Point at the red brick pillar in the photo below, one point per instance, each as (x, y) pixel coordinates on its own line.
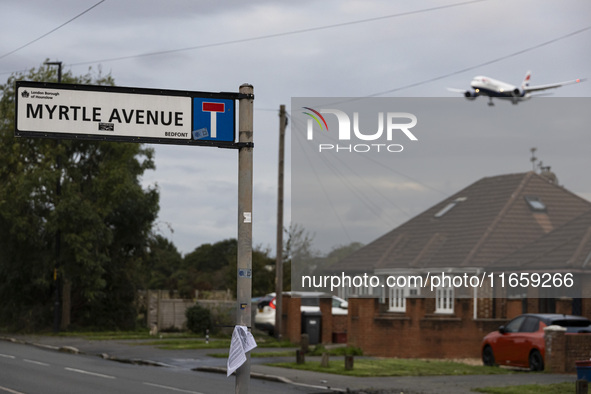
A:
(292, 319)
(326, 310)
(555, 357)
(361, 319)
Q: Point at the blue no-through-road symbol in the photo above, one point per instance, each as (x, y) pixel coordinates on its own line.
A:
(213, 119)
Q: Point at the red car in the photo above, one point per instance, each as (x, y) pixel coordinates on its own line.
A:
(520, 343)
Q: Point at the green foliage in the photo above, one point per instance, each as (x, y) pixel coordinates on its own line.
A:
(213, 267)
(336, 351)
(161, 269)
(198, 319)
(103, 214)
(206, 268)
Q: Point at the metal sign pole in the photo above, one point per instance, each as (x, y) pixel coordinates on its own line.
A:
(244, 266)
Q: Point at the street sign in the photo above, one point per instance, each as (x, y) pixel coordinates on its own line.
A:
(109, 113)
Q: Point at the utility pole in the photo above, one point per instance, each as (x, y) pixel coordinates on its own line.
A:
(244, 264)
(57, 315)
(279, 258)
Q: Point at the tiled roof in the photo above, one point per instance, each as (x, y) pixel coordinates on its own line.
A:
(490, 219)
(568, 246)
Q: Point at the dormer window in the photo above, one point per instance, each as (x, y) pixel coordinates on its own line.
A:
(535, 204)
(449, 206)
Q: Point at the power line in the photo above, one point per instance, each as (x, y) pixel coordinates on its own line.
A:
(51, 31)
(322, 188)
(282, 34)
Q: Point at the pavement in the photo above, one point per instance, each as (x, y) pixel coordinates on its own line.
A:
(133, 351)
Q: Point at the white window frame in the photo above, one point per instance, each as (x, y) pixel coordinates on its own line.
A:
(444, 300)
(397, 297)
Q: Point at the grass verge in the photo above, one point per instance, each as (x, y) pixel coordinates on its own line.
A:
(396, 367)
(555, 388)
(170, 340)
(283, 353)
(176, 344)
(316, 351)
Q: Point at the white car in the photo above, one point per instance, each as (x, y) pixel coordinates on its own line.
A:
(265, 314)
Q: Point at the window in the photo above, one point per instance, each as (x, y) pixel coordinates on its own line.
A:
(531, 324)
(398, 295)
(444, 301)
(361, 291)
(449, 207)
(513, 325)
(535, 204)
(310, 301)
(397, 300)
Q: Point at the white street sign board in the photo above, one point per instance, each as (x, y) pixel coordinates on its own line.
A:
(125, 114)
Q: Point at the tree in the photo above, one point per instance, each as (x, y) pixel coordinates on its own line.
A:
(299, 256)
(207, 267)
(299, 244)
(214, 266)
(103, 214)
(162, 265)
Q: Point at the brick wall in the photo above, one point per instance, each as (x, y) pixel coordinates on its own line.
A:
(563, 350)
(418, 332)
(578, 347)
(339, 323)
(514, 308)
(564, 306)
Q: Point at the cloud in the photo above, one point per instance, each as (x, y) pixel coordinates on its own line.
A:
(352, 61)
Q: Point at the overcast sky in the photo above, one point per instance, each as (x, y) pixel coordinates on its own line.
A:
(323, 48)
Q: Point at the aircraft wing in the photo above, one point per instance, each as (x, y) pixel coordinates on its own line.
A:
(538, 88)
(456, 90)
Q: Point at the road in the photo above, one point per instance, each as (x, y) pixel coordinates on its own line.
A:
(28, 369)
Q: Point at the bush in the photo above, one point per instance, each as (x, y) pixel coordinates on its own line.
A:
(336, 351)
(198, 319)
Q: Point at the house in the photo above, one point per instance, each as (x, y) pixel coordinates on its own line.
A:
(566, 249)
(516, 224)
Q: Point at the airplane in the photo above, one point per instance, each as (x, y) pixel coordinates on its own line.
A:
(485, 86)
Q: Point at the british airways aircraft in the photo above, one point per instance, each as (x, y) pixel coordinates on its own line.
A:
(485, 86)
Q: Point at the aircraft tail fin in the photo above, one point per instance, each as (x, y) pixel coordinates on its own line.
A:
(525, 82)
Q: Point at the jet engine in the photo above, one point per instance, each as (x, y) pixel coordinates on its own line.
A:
(470, 94)
(517, 95)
